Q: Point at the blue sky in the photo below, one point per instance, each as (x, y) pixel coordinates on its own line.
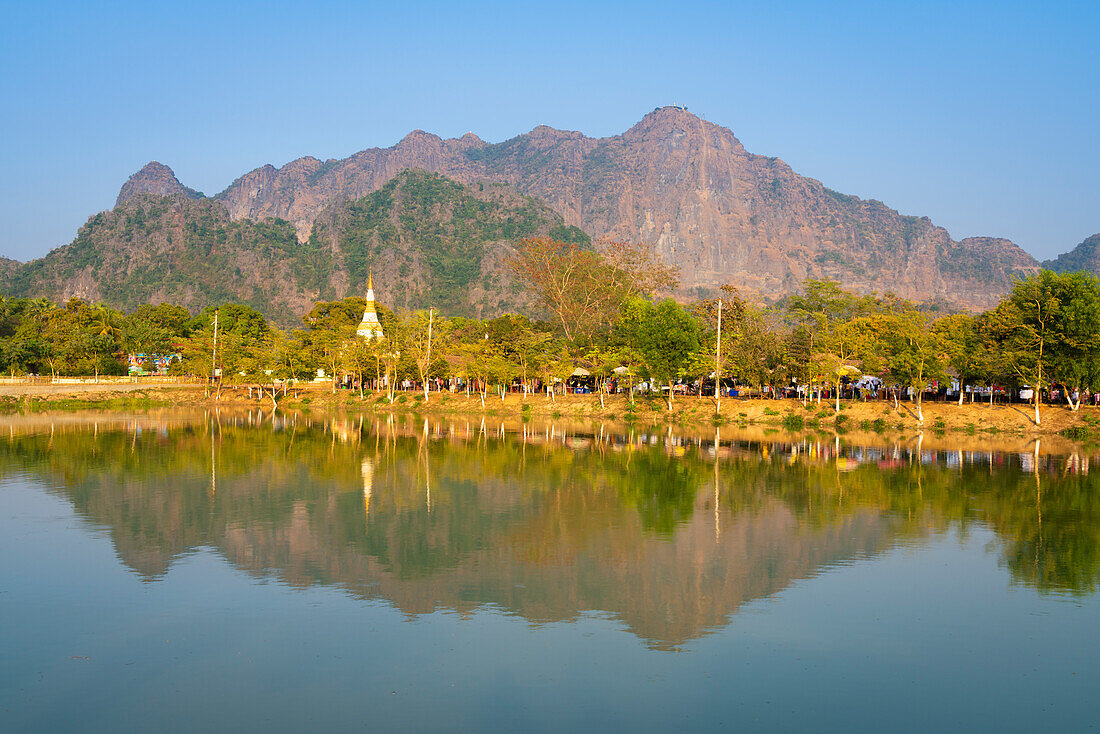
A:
(982, 116)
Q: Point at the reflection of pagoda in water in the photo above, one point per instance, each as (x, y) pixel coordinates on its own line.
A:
(368, 484)
(370, 327)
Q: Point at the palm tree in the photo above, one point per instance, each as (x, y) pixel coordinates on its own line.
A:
(105, 321)
(38, 306)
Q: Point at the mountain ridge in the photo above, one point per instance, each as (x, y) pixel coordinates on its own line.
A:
(687, 186)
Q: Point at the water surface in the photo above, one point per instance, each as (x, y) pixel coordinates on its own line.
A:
(183, 572)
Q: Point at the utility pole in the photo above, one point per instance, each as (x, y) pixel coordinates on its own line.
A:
(718, 363)
(428, 370)
(214, 352)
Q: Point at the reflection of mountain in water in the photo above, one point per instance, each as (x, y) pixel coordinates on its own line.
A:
(669, 536)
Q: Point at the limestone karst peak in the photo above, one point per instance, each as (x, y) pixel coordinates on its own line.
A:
(154, 178)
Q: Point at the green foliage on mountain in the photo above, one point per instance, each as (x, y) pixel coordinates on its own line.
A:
(436, 242)
(430, 241)
(155, 249)
(1084, 257)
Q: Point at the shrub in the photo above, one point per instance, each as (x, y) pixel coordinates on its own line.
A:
(1079, 433)
(794, 422)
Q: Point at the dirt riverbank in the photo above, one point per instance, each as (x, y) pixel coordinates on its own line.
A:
(688, 412)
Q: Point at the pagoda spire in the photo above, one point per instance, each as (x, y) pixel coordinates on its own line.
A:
(370, 327)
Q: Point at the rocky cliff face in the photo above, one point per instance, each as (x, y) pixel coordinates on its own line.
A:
(1086, 256)
(156, 179)
(722, 214)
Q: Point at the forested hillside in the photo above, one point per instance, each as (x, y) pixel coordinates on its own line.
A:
(431, 242)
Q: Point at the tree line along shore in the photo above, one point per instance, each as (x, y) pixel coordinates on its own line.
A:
(603, 333)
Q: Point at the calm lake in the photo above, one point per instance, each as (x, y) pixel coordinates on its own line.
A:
(242, 572)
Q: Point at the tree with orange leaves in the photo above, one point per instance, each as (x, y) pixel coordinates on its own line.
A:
(584, 288)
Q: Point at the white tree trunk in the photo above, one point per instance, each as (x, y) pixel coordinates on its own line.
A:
(1069, 399)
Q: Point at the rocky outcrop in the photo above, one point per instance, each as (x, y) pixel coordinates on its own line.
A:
(299, 190)
(156, 179)
(719, 212)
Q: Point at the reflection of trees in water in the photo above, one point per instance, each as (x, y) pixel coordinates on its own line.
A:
(546, 529)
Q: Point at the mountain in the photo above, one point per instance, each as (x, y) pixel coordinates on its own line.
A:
(173, 248)
(435, 217)
(1086, 256)
(720, 213)
(431, 241)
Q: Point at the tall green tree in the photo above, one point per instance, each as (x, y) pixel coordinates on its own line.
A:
(665, 335)
(915, 355)
(1048, 321)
